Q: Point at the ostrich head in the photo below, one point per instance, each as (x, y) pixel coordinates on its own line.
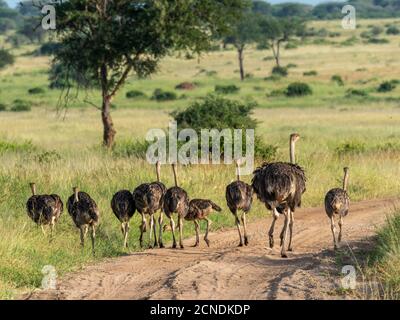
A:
(76, 192)
(294, 137)
(175, 175)
(346, 178)
(33, 188)
(158, 169)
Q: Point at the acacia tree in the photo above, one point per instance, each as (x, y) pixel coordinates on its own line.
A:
(110, 39)
(278, 31)
(244, 32)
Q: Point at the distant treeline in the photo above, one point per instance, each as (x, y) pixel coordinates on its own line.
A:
(330, 10)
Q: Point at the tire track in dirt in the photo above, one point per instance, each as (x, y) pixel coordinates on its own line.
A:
(226, 271)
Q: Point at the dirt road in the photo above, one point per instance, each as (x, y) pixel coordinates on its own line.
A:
(226, 271)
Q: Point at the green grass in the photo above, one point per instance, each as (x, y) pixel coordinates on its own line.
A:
(60, 150)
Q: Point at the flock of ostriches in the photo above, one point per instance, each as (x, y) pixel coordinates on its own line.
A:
(278, 185)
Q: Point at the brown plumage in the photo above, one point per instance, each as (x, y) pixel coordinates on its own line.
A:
(337, 202)
(84, 213)
(123, 206)
(149, 198)
(280, 187)
(199, 209)
(176, 200)
(239, 196)
(44, 209)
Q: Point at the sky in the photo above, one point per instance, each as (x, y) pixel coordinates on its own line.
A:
(13, 3)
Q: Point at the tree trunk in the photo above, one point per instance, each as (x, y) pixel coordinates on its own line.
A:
(276, 53)
(241, 67)
(108, 125)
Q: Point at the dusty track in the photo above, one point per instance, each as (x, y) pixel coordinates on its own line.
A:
(225, 271)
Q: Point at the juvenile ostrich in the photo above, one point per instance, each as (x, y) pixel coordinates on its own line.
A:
(199, 209)
(176, 200)
(149, 199)
(123, 206)
(280, 187)
(85, 213)
(44, 209)
(239, 196)
(337, 202)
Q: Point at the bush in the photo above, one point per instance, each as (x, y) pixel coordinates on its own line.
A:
(161, 95)
(378, 41)
(131, 148)
(277, 93)
(376, 30)
(48, 49)
(36, 90)
(298, 89)
(386, 86)
(393, 30)
(310, 73)
(352, 147)
(6, 58)
(216, 112)
(211, 73)
(48, 157)
(338, 79)
(273, 77)
(280, 71)
(3, 107)
(186, 86)
(228, 89)
(134, 94)
(291, 65)
(357, 92)
(21, 106)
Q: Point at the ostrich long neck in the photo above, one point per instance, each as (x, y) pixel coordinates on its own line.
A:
(292, 152)
(33, 189)
(175, 177)
(76, 191)
(158, 172)
(345, 181)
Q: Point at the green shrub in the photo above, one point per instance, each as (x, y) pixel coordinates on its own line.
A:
(161, 95)
(3, 107)
(357, 92)
(131, 148)
(291, 65)
(352, 147)
(273, 77)
(393, 30)
(378, 41)
(227, 89)
(376, 30)
(48, 49)
(211, 73)
(36, 90)
(6, 58)
(265, 152)
(338, 79)
(48, 157)
(277, 93)
(291, 45)
(135, 94)
(21, 106)
(298, 89)
(386, 86)
(310, 73)
(280, 71)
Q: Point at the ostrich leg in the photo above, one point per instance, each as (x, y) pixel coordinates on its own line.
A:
(82, 233)
(155, 231)
(207, 231)
(151, 229)
(246, 239)
(333, 228)
(126, 230)
(340, 228)
(271, 230)
(180, 225)
(93, 236)
(142, 229)
(285, 232)
(172, 222)
(160, 223)
(238, 228)
(291, 217)
(197, 229)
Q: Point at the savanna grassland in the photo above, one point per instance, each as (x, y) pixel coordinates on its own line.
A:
(59, 148)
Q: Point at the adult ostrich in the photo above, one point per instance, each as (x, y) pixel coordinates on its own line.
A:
(149, 198)
(123, 206)
(280, 187)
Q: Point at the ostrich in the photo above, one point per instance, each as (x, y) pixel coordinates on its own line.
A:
(199, 209)
(44, 209)
(337, 202)
(148, 199)
(280, 187)
(176, 200)
(239, 196)
(85, 213)
(123, 206)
